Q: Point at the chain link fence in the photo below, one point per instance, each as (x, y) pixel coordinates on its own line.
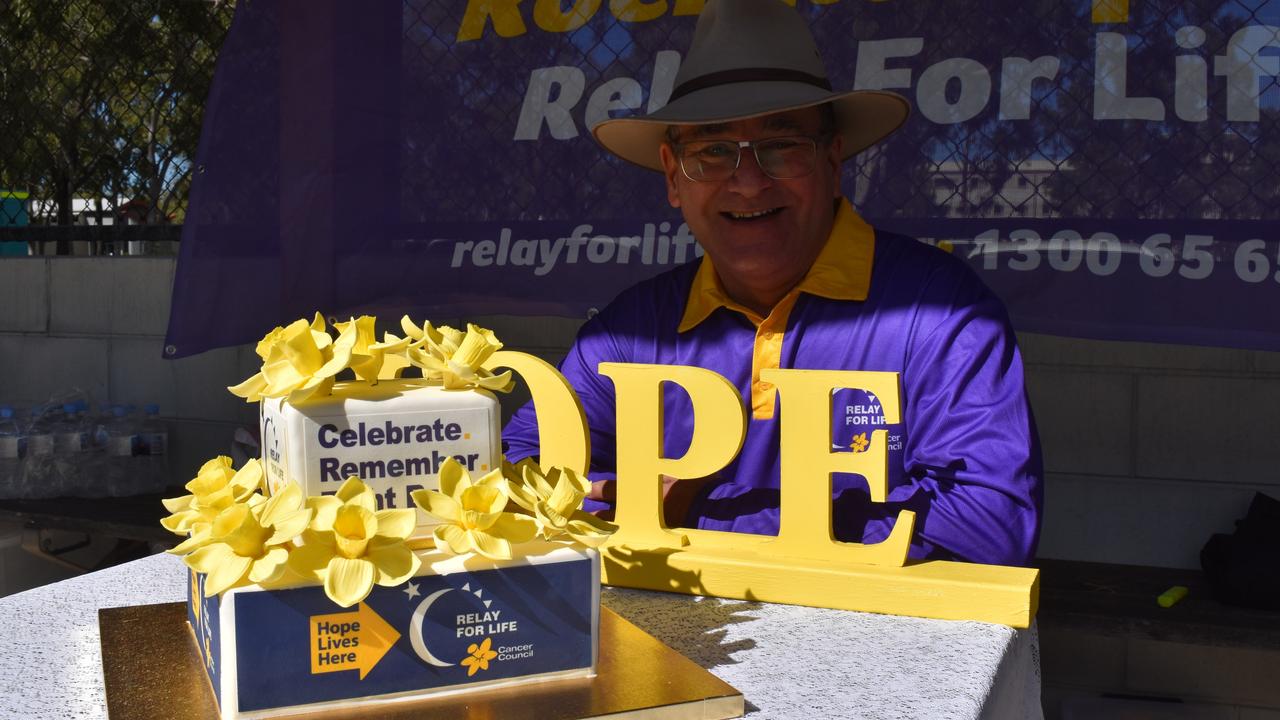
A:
(102, 105)
(1171, 113)
(1031, 109)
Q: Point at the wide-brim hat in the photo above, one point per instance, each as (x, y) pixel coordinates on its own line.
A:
(751, 58)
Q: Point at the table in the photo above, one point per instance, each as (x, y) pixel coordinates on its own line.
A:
(129, 518)
(788, 661)
(132, 523)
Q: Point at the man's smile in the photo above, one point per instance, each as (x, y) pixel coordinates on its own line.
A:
(751, 214)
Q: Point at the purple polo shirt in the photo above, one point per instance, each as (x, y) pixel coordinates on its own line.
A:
(965, 458)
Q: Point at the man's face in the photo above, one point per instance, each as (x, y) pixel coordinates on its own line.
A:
(762, 234)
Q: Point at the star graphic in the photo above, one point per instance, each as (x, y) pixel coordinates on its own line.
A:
(411, 590)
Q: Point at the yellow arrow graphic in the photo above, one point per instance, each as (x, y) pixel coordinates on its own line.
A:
(350, 641)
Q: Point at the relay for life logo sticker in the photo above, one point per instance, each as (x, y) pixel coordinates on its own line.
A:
(856, 415)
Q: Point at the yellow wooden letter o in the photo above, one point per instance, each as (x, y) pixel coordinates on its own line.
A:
(562, 425)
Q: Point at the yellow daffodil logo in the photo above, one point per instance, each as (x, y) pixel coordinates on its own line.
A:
(250, 543)
(215, 488)
(859, 442)
(473, 515)
(351, 545)
(555, 501)
(455, 358)
(298, 361)
(479, 656)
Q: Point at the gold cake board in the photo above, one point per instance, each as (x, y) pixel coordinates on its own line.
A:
(151, 669)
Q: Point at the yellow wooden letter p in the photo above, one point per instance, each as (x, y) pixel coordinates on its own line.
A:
(719, 426)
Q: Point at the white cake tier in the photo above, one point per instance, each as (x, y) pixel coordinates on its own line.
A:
(393, 436)
(462, 624)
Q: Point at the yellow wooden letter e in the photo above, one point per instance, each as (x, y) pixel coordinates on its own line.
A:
(719, 426)
(805, 528)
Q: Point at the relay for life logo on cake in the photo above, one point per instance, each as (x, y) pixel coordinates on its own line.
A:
(202, 613)
(273, 452)
(475, 621)
(293, 647)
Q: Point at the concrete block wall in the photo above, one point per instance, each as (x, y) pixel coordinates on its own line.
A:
(97, 325)
(1149, 448)
(1110, 677)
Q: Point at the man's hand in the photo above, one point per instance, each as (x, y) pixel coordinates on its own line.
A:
(677, 496)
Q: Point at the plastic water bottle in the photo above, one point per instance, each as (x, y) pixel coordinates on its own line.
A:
(155, 445)
(93, 458)
(98, 425)
(123, 475)
(11, 452)
(71, 440)
(54, 417)
(39, 466)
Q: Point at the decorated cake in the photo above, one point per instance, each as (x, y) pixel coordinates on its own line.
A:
(381, 550)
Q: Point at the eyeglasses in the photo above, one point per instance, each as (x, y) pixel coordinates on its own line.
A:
(781, 158)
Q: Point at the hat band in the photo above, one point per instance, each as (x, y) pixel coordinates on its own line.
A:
(726, 77)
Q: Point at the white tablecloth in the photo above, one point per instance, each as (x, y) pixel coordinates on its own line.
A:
(788, 661)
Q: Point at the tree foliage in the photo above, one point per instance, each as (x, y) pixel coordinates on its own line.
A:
(104, 101)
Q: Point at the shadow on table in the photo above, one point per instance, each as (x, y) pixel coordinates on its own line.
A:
(685, 618)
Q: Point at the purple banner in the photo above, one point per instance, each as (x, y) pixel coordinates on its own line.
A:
(1111, 168)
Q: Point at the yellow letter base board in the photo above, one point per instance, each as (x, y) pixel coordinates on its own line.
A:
(927, 589)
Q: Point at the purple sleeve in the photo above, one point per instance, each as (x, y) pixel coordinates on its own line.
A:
(973, 465)
(594, 345)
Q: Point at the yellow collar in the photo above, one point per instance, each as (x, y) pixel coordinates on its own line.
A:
(842, 271)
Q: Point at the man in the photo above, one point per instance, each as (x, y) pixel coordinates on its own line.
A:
(750, 145)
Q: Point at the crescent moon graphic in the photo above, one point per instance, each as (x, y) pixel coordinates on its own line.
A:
(415, 630)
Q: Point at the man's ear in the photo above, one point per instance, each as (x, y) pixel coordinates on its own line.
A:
(670, 167)
(835, 151)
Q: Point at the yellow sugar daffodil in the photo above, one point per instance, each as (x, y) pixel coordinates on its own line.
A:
(351, 545)
(478, 656)
(555, 501)
(474, 520)
(298, 361)
(250, 544)
(367, 354)
(215, 488)
(455, 358)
